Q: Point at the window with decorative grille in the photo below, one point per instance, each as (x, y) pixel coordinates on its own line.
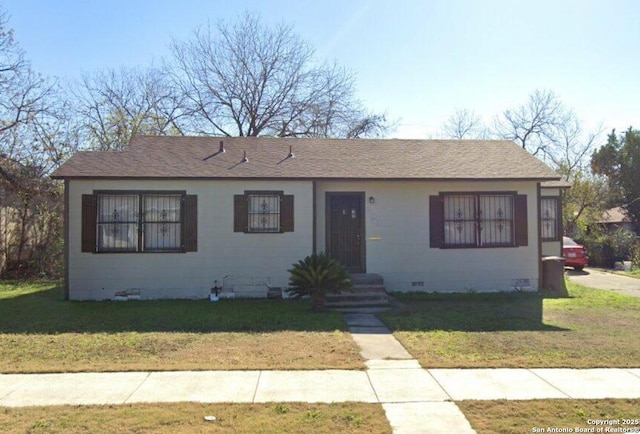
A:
(139, 222)
(162, 221)
(550, 218)
(478, 220)
(118, 216)
(264, 213)
(460, 220)
(260, 212)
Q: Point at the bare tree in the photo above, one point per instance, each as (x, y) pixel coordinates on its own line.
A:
(113, 106)
(545, 127)
(572, 146)
(53, 136)
(464, 124)
(249, 79)
(24, 97)
(533, 125)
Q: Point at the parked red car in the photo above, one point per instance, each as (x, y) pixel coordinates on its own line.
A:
(574, 254)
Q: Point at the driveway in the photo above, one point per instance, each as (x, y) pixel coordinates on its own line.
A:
(603, 280)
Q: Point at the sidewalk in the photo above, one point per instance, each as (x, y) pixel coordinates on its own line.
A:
(414, 399)
(398, 382)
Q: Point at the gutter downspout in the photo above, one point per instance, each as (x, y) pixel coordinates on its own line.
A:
(538, 220)
(314, 223)
(66, 239)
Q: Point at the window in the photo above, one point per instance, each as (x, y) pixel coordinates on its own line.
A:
(139, 222)
(460, 221)
(478, 220)
(550, 218)
(118, 222)
(161, 220)
(263, 212)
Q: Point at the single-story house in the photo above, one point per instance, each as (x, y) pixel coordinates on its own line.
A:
(617, 218)
(169, 217)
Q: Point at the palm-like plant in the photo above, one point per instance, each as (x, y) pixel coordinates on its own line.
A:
(316, 275)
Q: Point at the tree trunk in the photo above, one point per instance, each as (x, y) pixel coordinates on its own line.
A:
(317, 300)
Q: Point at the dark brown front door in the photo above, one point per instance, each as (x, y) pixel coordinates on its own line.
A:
(345, 229)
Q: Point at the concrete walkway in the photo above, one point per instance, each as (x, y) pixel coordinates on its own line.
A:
(594, 278)
(412, 398)
(415, 400)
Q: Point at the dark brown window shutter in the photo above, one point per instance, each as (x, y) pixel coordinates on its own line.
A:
(89, 222)
(190, 226)
(436, 221)
(521, 222)
(286, 213)
(240, 213)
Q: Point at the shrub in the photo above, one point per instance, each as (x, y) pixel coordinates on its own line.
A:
(635, 255)
(316, 275)
(606, 248)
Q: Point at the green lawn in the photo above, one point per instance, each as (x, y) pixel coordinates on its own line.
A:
(633, 273)
(40, 332)
(591, 328)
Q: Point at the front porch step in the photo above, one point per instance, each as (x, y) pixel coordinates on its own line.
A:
(368, 290)
(366, 279)
(337, 300)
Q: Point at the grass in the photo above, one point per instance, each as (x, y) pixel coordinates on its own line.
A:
(189, 418)
(523, 416)
(40, 332)
(635, 272)
(591, 328)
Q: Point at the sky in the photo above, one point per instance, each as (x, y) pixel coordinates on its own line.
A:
(416, 60)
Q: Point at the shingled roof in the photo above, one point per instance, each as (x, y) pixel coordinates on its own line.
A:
(269, 158)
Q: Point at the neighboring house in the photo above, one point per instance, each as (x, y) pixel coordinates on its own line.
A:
(170, 215)
(617, 218)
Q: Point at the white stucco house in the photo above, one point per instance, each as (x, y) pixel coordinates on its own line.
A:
(168, 216)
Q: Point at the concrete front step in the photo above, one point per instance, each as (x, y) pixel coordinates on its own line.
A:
(366, 279)
(351, 304)
(362, 289)
(357, 299)
(368, 290)
(357, 295)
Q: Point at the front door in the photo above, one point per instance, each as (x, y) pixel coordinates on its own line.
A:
(345, 229)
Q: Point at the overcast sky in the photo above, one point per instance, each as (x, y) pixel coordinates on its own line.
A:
(417, 60)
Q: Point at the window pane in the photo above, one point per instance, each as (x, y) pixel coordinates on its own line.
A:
(117, 237)
(264, 213)
(496, 220)
(459, 220)
(548, 212)
(162, 225)
(459, 233)
(117, 222)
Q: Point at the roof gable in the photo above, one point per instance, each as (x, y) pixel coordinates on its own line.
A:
(615, 215)
(269, 158)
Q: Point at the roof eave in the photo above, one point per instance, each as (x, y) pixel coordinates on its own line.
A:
(300, 178)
